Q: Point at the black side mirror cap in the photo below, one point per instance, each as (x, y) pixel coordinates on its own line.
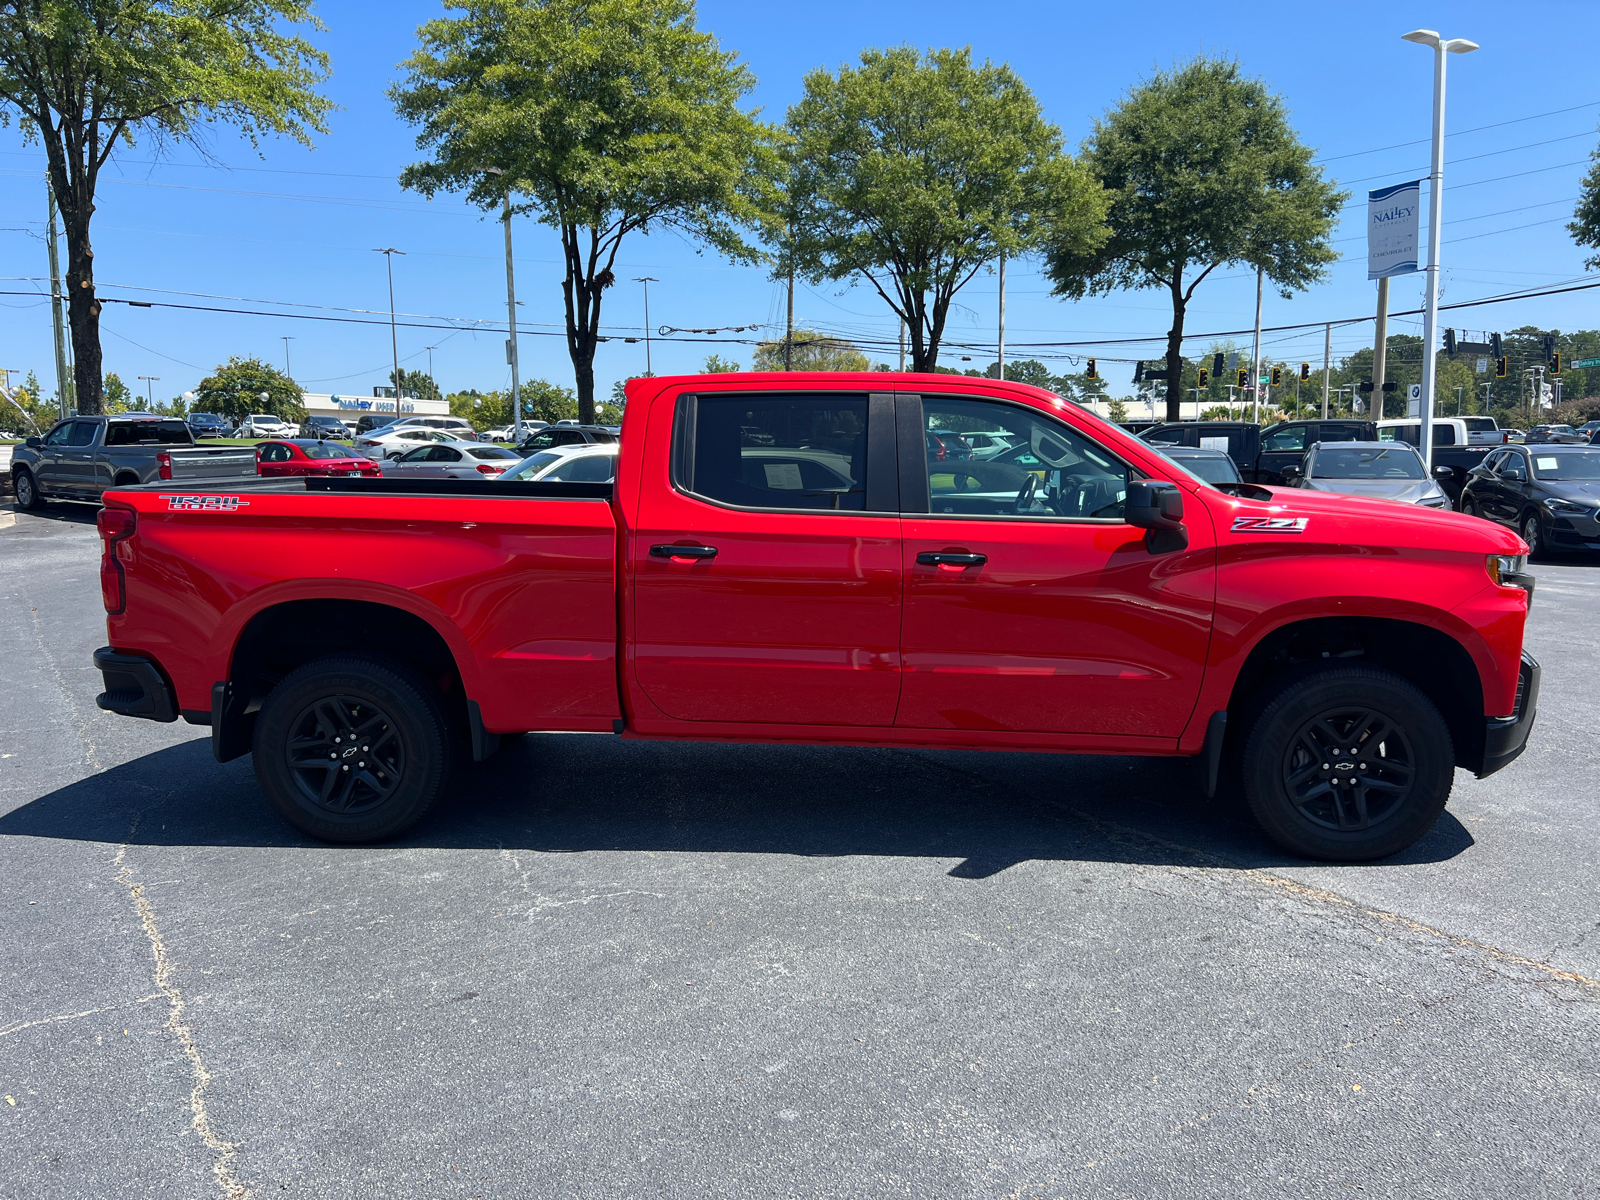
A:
(1291, 474)
(1156, 506)
(1444, 472)
(34, 443)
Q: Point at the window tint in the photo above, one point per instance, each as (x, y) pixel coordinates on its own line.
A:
(1051, 471)
(586, 468)
(532, 465)
(418, 455)
(58, 435)
(82, 433)
(147, 433)
(791, 451)
(274, 452)
(1494, 461)
(326, 451)
(1292, 438)
(444, 454)
(1380, 462)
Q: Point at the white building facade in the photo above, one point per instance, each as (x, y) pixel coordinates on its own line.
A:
(348, 407)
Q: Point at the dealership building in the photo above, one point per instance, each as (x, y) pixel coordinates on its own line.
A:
(352, 408)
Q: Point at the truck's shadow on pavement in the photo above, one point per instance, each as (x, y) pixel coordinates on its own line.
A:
(568, 793)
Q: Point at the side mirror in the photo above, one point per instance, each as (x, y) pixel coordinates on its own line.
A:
(1156, 506)
(1292, 475)
(34, 443)
(1443, 472)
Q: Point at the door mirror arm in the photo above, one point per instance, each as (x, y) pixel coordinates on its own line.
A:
(1156, 506)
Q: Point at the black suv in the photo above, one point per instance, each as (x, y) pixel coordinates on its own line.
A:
(324, 427)
(565, 435)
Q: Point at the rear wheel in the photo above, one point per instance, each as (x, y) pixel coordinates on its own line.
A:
(28, 498)
(1348, 764)
(1532, 534)
(1468, 508)
(352, 749)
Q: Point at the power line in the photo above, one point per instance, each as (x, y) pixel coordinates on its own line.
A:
(1460, 132)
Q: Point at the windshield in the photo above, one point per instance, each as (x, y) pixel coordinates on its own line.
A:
(1212, 470)
(1585, 464)
(529, 467)
(323, 450)
(1390, 462)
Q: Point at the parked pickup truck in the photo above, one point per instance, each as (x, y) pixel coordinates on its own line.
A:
(79, 458)
(1262, 454)
(1456, 453)
(779, 560)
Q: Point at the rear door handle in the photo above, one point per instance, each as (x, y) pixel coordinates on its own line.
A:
(938, 558)
(683, 551)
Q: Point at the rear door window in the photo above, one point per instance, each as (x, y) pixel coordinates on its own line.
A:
(790, 451)
(1292, 437)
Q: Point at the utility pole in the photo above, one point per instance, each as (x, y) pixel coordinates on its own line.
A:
(511, 326)
(1255, 354)
(149, 384)
(1327, 364)
(433, 385)
(1458, 401)
(788, 329)
(1430, 320)
(286, 339)
(647, 280)
(62, 375)
(1002, 339)
(394, 338)
(1380, 342)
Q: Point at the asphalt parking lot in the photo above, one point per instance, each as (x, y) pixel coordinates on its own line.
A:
(614, 969)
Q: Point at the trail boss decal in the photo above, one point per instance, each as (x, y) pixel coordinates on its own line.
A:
(1270, 524)
(225, 504)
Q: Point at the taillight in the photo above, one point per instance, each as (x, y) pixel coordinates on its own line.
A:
(163, 465)
(115, 524)
(486, 469)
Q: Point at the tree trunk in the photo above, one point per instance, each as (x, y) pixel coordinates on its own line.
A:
(1175, 353)
(582, 293)
(75, 199)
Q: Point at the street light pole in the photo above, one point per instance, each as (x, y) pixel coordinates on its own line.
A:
(1002, 338)
(394, 338)
(149, 385)
(286, 339)
(1255, 354)
(1430, 321)
(647, 280)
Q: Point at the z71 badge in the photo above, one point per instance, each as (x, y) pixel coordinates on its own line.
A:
(225, 504)
(1270, 524)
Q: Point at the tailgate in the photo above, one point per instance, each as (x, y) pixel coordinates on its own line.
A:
(220, 462)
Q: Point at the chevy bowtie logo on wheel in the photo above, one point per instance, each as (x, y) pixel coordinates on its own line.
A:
(1270, 524)
(205, 503)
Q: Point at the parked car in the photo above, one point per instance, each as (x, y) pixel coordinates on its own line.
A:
(388, 442)
(79, 458)
(1549, 494)
(308, 456)
(207, 425)
(1452, 448)
(1261, 454)
(1484, 431)
(1349, 655)
(265, 425)
(565, 435)
(944, 446)
(450, 460)
(1589, 429)
(457, 427)
(1379, 471)
(368, 422)
(324, 427)
(586, 462)
(1214, 466)
(1558, 435)
(987, 443)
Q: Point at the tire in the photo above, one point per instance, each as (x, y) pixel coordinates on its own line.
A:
(365, 800)
(1467, 508)
(1401, 789)
(1530, 531)
(28, 498)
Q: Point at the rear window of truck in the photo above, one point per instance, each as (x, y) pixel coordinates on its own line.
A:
(147, 433)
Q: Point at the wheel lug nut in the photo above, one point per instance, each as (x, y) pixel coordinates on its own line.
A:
(1324, 766)
(344, 768)
(336, 740)
(333, 756)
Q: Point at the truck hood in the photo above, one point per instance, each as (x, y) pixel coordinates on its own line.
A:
(1296, 515)
(1406, 491)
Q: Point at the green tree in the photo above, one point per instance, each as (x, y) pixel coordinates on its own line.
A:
(114, 394)
(1117, 411)
(417, 383)
(235, 390)
(1027, 370)
(811, 351)
(88, 75)
(25, 409)
(1203, 171)
(913, 172)
(1585, 226)
(715, 364)
(606, 117)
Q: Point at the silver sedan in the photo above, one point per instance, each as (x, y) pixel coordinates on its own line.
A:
(1380, 470)
(450, 460)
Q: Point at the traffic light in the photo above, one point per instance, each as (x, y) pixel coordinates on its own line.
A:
(1549, 345)
(1216, 364)
(1555, 363)
(1450, 342)
(1205, 377)
(1305, 371)
(1244, 377)
(1090, 372)
(1495, 347)
(1277, 376)
(1138, 372)
(1499, 363)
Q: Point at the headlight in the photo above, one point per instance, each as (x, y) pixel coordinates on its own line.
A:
(1501, 565)
(1569, 508)
(1435, 502)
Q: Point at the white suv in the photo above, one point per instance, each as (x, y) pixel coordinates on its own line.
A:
(457, 426)
(265, 425)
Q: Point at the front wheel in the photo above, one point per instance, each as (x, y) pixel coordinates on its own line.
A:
(1467, 507)
(1531, 534)
(28, 498)
(1348, 764)
(352, 749)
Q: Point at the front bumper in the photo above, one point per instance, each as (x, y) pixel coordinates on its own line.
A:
(1504, 738)
(135, 687)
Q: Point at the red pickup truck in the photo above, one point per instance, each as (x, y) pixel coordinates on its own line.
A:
(824, 558)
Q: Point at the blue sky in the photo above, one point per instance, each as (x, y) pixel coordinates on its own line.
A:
(296, 227)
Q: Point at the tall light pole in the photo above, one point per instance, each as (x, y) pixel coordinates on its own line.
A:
(433, 384)
(1255, 354)
(1001, 341)
(1430, 321)
(388, 253)
(287, 338)
(511, 316)
(647, 280)
(149, 388)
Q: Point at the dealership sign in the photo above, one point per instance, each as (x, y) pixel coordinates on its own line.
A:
(1393, 219)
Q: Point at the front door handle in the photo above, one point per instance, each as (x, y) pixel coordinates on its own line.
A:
(683, 551)
(939, 558)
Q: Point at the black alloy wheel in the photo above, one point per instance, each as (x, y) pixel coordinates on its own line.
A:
(1531, 533)
(352, 749)
(1347, 764)
(28, 498)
